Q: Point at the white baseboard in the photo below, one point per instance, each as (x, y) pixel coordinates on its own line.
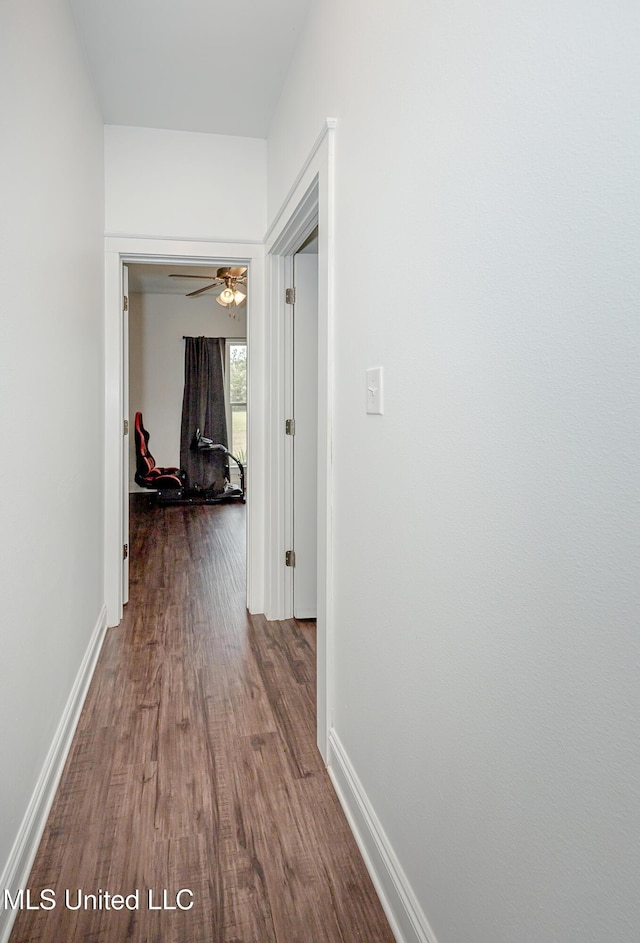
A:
(408, 922)
(16, 872)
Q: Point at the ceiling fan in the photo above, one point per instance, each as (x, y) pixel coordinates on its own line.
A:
(234, 291)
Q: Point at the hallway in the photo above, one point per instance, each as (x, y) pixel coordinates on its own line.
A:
(194, 769)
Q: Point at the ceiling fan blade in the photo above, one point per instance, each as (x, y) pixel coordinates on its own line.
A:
(208, 277)
(199, 291)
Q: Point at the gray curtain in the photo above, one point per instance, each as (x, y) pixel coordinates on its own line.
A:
(203, 408)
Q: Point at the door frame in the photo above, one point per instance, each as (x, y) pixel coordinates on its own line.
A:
(310, 202)
(118, 251)
(129, 433)
(303, 501)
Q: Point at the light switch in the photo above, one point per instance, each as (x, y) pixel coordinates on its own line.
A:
(374, 391)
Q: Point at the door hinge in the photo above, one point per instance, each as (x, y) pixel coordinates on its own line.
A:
(290, 558)
(290, 296)
(125, 551)
(290, 427)
(125, 303)
(125, 426)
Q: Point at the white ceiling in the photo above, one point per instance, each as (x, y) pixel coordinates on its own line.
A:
(193, 65)
(149, 278)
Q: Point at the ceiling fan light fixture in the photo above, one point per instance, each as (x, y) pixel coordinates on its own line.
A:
(226, 297)
(239, 296)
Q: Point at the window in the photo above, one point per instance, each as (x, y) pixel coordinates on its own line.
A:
(237, 415)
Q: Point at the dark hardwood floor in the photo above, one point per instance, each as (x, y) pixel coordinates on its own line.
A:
(194, 768)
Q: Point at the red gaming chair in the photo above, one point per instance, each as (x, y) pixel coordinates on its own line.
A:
(148, 474)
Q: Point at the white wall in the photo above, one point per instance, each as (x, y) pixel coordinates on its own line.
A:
(157, 324)
(182, 184)
(51, 386)
(486, 683)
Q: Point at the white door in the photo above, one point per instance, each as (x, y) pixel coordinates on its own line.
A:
(126, 433)
(305, 441)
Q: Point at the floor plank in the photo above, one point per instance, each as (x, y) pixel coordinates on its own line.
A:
(194, 766)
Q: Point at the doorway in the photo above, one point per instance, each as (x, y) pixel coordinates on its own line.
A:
(133, 251)
(167, 303)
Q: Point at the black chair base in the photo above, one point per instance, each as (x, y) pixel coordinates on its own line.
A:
(195, 496)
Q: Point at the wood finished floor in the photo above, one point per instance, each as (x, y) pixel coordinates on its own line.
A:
(194, 766)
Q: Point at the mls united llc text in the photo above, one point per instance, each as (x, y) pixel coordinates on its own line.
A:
(76, 899)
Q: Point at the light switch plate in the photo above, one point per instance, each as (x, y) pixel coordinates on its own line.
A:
(374, 391)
